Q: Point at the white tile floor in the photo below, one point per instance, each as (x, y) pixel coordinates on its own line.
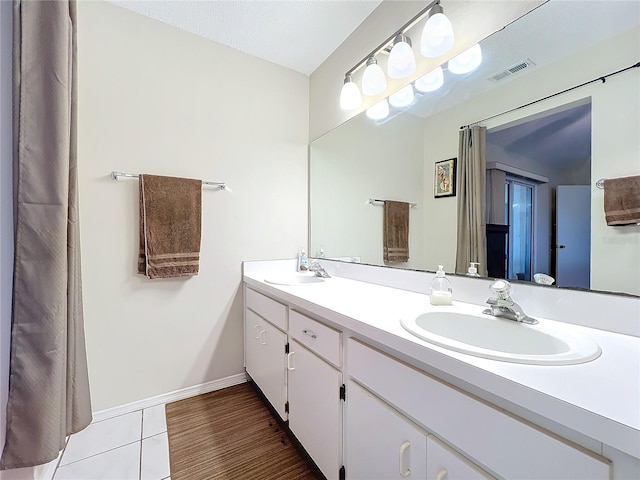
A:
(128, 447)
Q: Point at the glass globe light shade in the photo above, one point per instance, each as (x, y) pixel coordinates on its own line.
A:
(402, 97)
(350, 97)
(373, 79)
(379, 111)
(467, 61)
(431, 82)
(437, 35)
(402, 61)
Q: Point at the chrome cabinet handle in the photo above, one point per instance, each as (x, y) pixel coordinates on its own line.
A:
(404, 471)
(441, 474)
(309, 333)
(257, 330)
(289, 367)
(262, 342)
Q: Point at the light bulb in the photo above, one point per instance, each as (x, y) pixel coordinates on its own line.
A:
(437, 35)
(402, 97)
(350, 97)
(379, 111)
(467, 61)
(373, 79)
(431, 82)
(402, 61)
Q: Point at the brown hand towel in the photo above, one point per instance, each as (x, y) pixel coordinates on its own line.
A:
(622, 200)
(396, 231)
(170, 226)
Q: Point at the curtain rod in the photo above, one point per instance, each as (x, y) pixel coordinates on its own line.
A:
(602, 79)
(117, 175)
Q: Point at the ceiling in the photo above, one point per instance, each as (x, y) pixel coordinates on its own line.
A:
(296, 34)
(561, 139)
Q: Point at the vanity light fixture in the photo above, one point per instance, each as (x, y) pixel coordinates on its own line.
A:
(379, 111)
(437, 35)
(402, 97)
(431, 82)
(402, 61)
(437, 39)
(373, 79)
(350, 97)
(467, 61)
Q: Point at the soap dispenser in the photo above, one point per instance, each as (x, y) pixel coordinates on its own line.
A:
(303, 261)
(473, 269)
(441, 293)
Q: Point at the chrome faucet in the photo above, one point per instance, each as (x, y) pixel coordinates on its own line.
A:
(503, 306)
(316, 268)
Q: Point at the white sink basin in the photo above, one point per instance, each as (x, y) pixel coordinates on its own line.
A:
(500, 339)
(294, 279)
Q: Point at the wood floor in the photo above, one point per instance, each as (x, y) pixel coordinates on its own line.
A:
(230, 434)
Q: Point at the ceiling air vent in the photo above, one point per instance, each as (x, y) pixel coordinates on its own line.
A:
(518, 67)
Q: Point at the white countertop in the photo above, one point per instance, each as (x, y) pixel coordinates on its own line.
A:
(599, 399)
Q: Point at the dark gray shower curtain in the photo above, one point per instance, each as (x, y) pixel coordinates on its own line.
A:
(48, 381)
(472, 164)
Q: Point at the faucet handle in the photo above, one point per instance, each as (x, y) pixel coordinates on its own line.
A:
(501, 288)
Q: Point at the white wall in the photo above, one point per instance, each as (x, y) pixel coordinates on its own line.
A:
(615, 251)
(363, 160)
(473, 20)
(615, 146)
(154, 99)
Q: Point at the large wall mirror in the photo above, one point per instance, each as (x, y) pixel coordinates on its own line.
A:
(543, 160)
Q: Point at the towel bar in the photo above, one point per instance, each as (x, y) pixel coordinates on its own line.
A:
(117, 175)
(375, 200)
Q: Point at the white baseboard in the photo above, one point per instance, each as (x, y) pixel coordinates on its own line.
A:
(170, 397)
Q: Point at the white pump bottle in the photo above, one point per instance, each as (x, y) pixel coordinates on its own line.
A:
(441, 292)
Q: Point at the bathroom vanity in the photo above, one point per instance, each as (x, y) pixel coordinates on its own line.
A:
(368, 399)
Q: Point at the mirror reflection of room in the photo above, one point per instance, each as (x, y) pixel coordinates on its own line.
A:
(560, 110)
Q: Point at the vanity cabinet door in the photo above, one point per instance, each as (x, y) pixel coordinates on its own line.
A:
(265, 359)
(381, 443)
(315, 407)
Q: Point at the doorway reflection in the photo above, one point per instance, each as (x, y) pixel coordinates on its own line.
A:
(519, 214)
(529, 163)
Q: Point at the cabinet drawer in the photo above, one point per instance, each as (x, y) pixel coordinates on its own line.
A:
(267, 308)
(319, 338)
(495, 440)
